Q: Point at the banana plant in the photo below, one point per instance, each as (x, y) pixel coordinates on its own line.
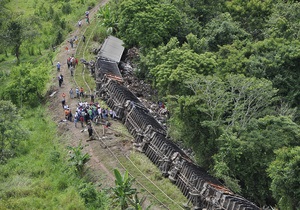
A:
(78, 159)
(107, 19)
(123, 191)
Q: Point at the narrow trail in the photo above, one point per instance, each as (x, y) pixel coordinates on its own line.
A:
(105, 153)
(72, 135)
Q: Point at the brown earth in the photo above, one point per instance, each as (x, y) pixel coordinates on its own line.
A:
(106, 149)
(73, 136)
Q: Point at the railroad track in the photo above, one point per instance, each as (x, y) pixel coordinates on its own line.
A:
(81, 51)
(202, 190)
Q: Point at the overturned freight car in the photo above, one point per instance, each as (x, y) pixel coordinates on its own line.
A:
(202, 190)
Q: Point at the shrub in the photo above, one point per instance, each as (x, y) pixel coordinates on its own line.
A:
(78, 159)
(66, 9)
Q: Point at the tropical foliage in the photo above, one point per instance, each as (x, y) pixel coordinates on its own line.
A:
(12, 133)
(78, 159)
(124, 194)
(228, 72)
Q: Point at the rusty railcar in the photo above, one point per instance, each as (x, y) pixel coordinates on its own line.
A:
(202, 190)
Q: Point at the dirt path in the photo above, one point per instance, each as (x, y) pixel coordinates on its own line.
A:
(72, 135)
(115, 144)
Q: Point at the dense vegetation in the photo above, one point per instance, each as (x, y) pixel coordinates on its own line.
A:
(35, 171)
(38, 169)
(227, 70)
(229, 73)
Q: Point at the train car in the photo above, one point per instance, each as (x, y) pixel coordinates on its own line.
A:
(202, 190)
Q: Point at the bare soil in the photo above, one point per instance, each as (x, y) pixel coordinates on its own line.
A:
(100, 150)
(110, 144)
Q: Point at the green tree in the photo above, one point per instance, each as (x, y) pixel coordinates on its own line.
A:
(284, 21)
(201, 11)
(274, 59)
(31, 30)
(26, 84)
(11, 131)
(3, 19)
(252, 14)
(93, 199)
(215, 106)
(13, 37)
(197, 45)
(176, 65)
(147, 23)
(16, 31)
(285, 172)
(250, 98)
(243, 159)
(223, 30)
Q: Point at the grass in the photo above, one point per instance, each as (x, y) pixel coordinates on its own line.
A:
(142, 162)
(83, 51)
(164, 190)
(39, 178)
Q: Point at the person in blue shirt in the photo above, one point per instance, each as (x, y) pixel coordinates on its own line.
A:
(58, 66)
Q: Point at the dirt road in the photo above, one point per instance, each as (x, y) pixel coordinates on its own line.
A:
(73, 136)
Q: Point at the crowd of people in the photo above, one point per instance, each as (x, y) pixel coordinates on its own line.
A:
(90, 112)
(85, 113)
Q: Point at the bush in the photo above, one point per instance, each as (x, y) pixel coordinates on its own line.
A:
(92, 198)
(63, 24)
(88, 192)
(66, 9)
(59, 38)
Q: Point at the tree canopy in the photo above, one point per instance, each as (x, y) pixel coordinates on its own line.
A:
(229, 73)
(26, 85)
(11, 132)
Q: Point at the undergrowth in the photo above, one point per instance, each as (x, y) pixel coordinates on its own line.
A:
(40, 178)
(166, 192)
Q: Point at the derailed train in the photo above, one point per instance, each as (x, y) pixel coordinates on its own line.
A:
(202, 190)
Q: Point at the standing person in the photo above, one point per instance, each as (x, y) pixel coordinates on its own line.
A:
(77, 93)
(76, 62)
(72, 70)
(79, 23)
(63, 95)
(76, 40)
(76, 117)
(70, 115)
(114, 115)
(92, 98)
(59, 81)
(63, 103)
(72, 61)
(83, 38)
(71, 43)
(62, 78)
(69, 62)
(88, 20)
(81, 91)
(81, 118)
(71, 93)
(67, 112)
(58, 66)
(90, 130)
